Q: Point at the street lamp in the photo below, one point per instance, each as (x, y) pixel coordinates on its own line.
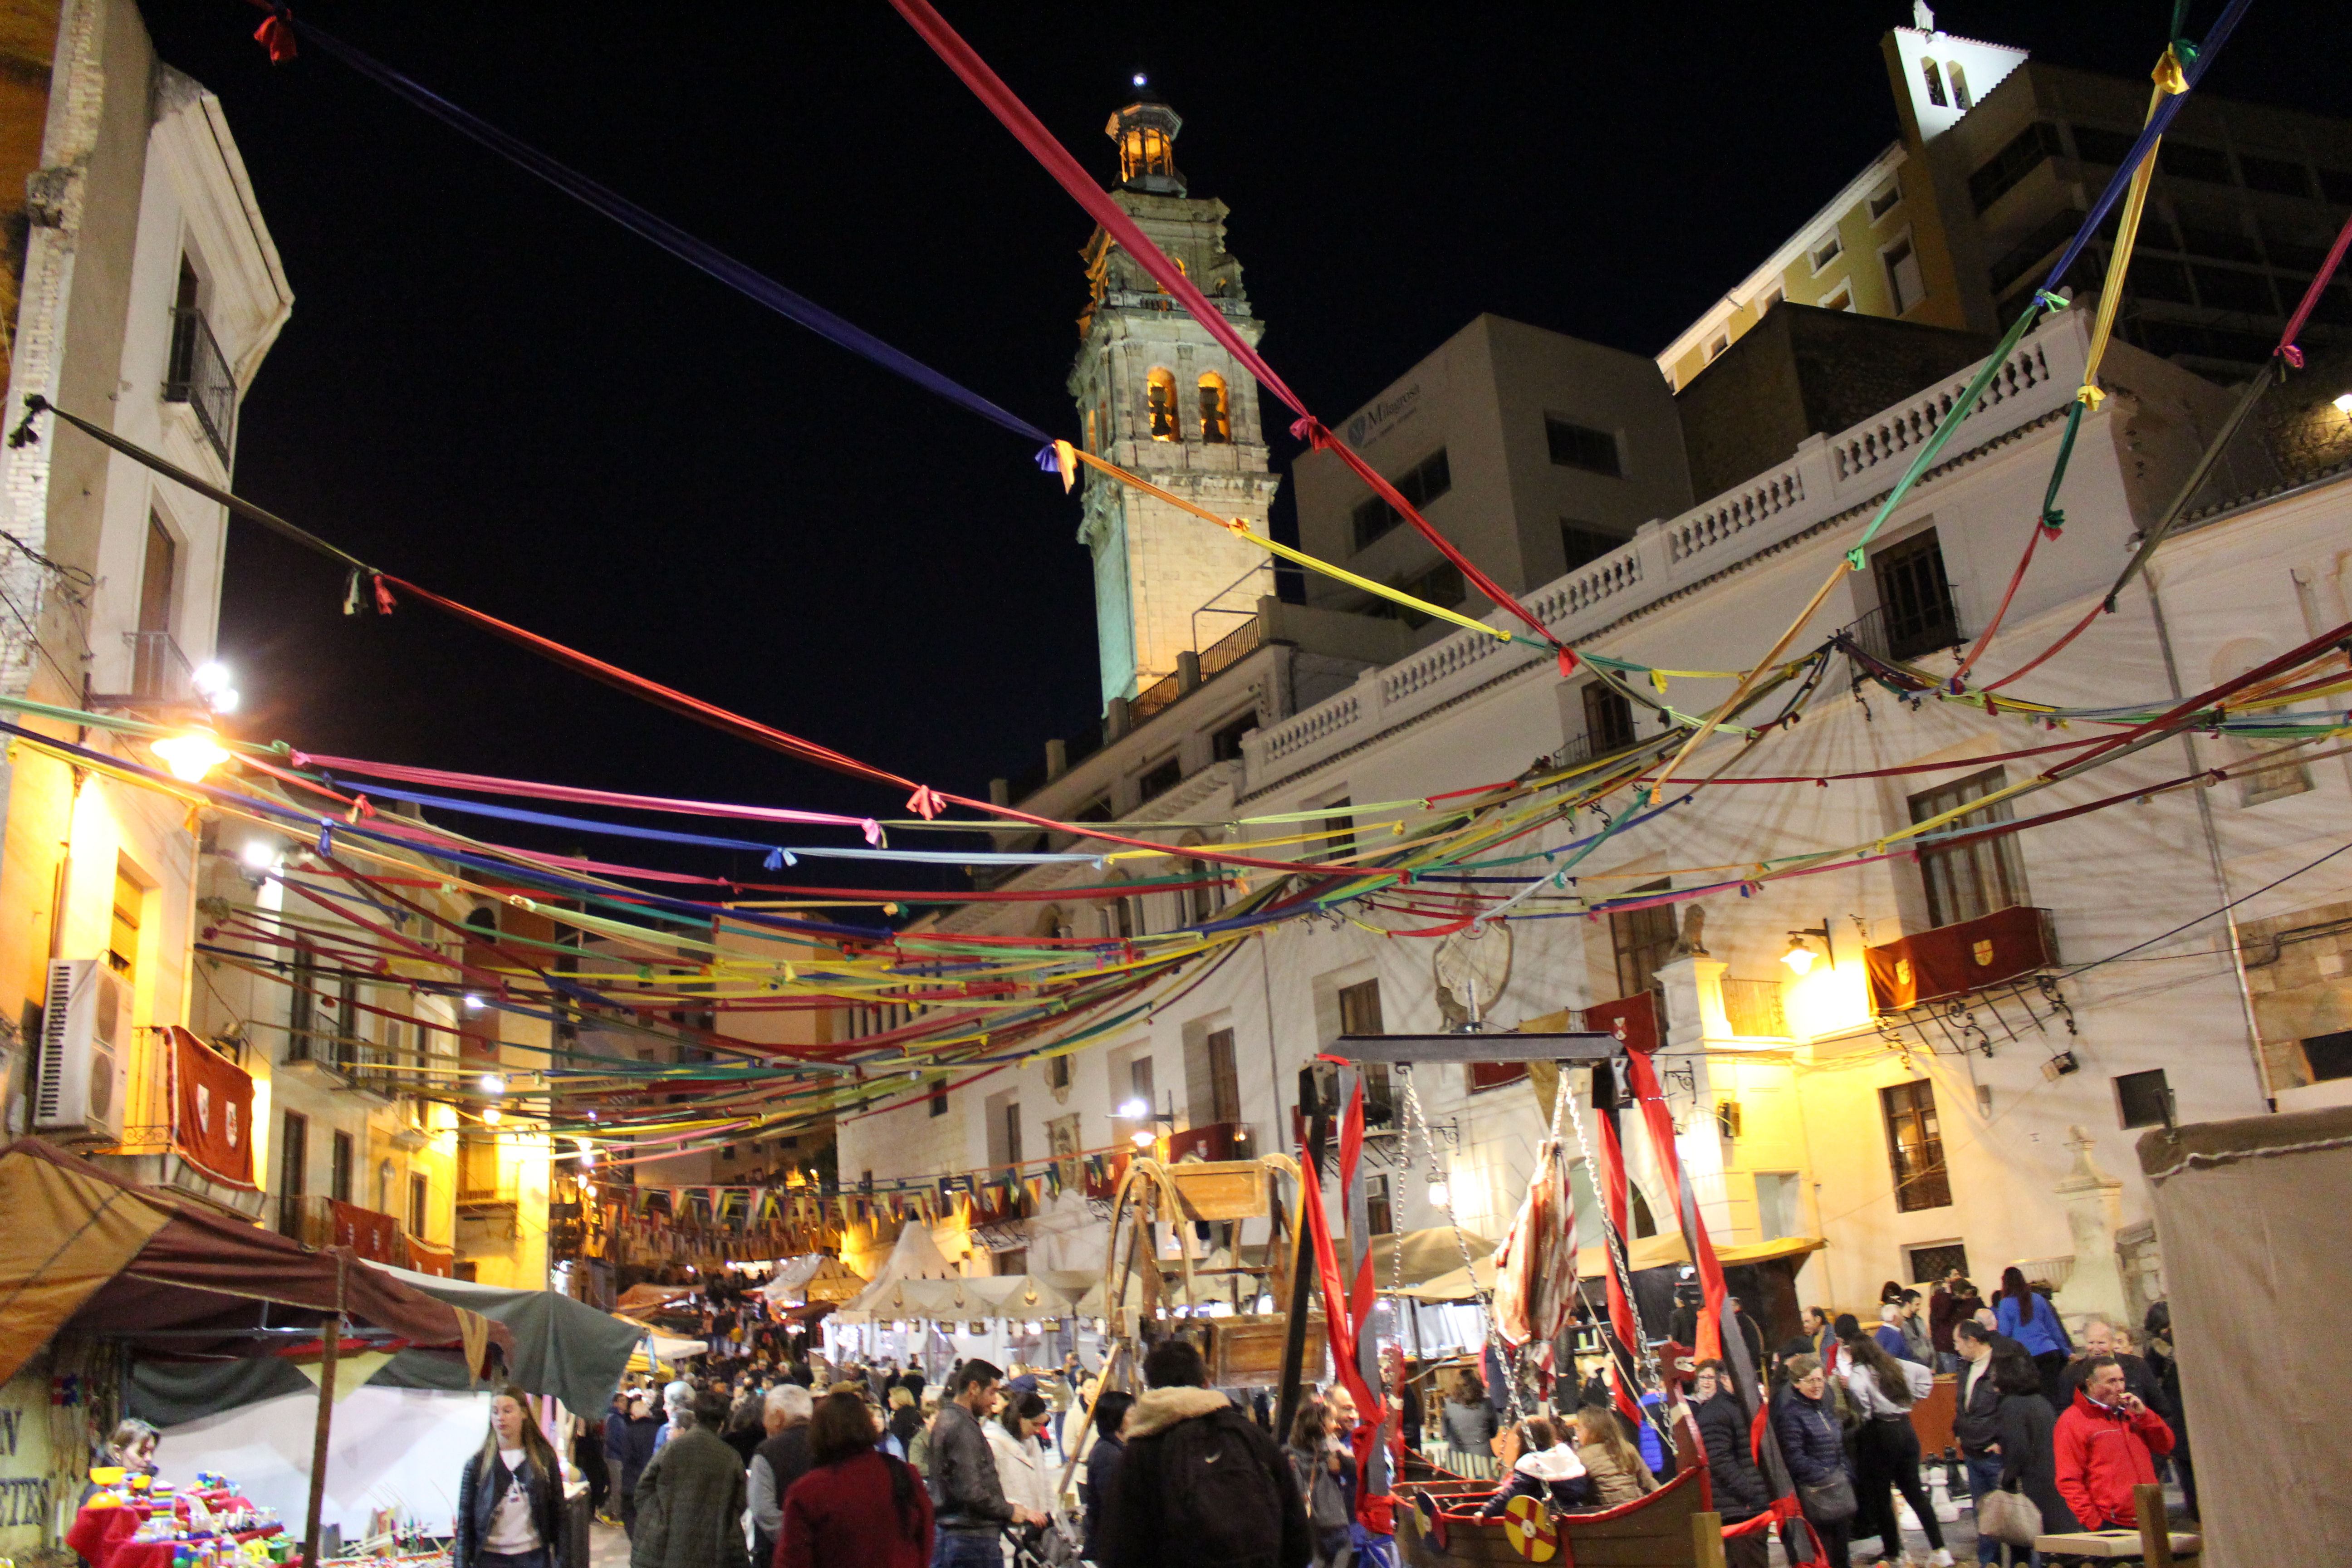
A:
(1800, 958)
(1440, 1194)
(191, 755)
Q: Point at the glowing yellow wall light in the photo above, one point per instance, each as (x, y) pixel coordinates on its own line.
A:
(191, 755)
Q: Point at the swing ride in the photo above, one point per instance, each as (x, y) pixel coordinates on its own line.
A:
(1435, 1516)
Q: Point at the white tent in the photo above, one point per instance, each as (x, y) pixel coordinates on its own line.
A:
(915, 1257)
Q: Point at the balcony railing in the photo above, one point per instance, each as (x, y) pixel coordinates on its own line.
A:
(317, 1221)
(198, 375)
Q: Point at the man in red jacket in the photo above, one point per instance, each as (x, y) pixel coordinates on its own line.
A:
(2104, 1444)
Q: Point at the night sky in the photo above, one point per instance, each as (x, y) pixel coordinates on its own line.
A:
(492, 390)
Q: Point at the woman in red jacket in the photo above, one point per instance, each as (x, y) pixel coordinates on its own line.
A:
(856, 1508)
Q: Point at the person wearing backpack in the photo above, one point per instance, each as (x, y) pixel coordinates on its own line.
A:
(1201, 1486)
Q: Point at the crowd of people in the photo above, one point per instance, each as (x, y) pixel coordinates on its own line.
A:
(783, 1460)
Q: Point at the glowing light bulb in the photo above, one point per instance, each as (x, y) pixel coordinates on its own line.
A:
(1440, 1194)
(1134, 1110)
(258, 855)
(1799, 958)
(192, 755)
(493, 1116)
(2344, 402)
(1139, 81)
(473, 1003)
(1141, 1140)
(493, 1084)
(224, 700)
(209, 677)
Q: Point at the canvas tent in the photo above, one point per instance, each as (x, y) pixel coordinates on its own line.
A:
(2246, 1210)
(915, 1255)
(88, 1254)
(813, 1278)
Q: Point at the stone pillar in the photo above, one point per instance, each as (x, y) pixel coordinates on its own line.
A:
(2093, 1202)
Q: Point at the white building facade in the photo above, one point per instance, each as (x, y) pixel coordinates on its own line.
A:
(1905, 1140)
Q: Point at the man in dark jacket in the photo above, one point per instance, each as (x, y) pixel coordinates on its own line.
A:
(968, 1501)
(1976, 1420)
(628, 1448)
(1201, 1486)
(1741, 1490)
(1100, 1492)
(690, 1501)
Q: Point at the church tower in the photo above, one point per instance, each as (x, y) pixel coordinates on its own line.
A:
(1160, 397)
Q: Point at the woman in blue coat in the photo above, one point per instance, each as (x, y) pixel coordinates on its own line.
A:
(2025, 1316)
(1812, 1445)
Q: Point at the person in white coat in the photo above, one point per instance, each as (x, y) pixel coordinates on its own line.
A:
(1021, 1469)
(1886, 1449)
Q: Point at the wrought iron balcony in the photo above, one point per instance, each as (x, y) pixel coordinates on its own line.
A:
(198, 375)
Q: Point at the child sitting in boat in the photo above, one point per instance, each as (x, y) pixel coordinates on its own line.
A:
(1546, 1469)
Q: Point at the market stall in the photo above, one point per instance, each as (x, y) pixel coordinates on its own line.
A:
(160, 1277)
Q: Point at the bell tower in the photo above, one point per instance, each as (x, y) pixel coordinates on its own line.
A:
(1160, 397)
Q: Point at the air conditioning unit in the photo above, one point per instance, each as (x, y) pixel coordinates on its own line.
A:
(85, 1051)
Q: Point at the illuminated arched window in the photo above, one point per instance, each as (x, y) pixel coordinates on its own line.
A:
(1935, 83)
(1959, 86)
(1159, 396)
(1215, 423)
(1145, 149)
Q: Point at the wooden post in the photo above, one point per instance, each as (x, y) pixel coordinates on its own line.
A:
(1706, 1540)
(2154, 1529)
(329, 1335)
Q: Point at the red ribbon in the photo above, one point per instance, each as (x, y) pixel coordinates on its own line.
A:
(276, 33)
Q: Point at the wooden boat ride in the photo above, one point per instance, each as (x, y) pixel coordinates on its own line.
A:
(1441, 1527)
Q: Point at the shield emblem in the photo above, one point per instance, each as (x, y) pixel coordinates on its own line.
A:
(1983, 951)
(228, 1120)
(1903, 972)
(204, 1108)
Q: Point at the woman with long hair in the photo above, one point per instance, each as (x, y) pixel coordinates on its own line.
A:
(856, 1508)
(2025, 1427)
(511, 1494)
(2024, 1315)
(1021, 1468)
(1618, 1474)
(1470, 1424)
(1886, 1446)
(1326, 1482)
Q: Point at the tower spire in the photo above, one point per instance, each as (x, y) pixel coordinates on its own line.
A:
(1146, 132)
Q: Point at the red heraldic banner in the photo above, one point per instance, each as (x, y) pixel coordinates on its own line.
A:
(364, 1231)
(215, 1110)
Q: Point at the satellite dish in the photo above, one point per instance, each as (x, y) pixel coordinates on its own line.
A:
(1473, 967)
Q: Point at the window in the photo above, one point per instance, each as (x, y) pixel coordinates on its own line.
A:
(1359, 1014)
(339, 1168)
(1607, 721)
(1339, 823)
(420, 1205)
(1159, 401)
(1914, 1147)
(1904, 283)
(2328, 1056)
(1914, 597)
(1442, 585)
(2185, 161)
(346, 1050)
(1094, 810)
(1013, 1134)
(2026, 151)
(1575, 446)
(1779, 1206)
(1721, 342)
(1841, 300)
(293, 1165)
(122, 937)
(1644, 940)
(477, 1166)
(938, 1102)
(1581, 544)
(1224, 1078)
(152, 664)
(1159, 779)
(1828, 251)
(301, 1002)
(1961, 100)
(2143, 1099)
(1216, 424)
(2096, 145)
(1380, 1215)
(1932, 1263)
(1934, 79)
(1057, 1072)
(1885, 201)
(1421, 484)
(2274, 175)
(1967, 881)
(1225, 741)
